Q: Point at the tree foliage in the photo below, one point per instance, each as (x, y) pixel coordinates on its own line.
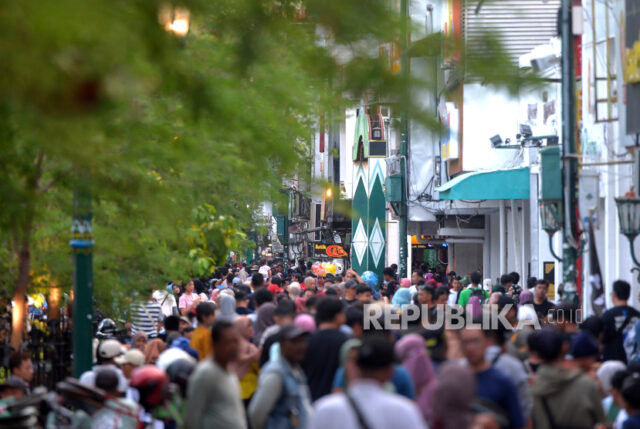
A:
(180, 138)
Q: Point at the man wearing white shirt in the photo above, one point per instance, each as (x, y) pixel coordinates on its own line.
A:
(367, 405)
(265, 269)
(166, 300)
(456, 287)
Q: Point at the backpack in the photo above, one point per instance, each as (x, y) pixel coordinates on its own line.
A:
(479, 293)
(629, 331)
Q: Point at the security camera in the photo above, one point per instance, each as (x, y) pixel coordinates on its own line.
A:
(543, 58)
(496, 140)
(525, 131)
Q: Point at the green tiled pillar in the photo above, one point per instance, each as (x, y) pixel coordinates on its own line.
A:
(368, 204)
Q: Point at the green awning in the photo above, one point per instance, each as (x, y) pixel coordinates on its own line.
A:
(510, 184)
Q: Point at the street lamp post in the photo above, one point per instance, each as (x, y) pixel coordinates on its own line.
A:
(629, 216)
(81, 245)
(569, 161)
(551, 220)
(404, 144)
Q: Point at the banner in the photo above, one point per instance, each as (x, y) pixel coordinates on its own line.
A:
(595, 275)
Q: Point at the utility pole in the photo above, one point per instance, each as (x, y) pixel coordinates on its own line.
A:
(570, 161)
(285, 241)
(81, 245)
(404, 143)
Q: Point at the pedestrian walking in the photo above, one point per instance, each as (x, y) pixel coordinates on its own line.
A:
(146, 316)
(213, 394)
(323, 355)
(619, 323)
(282, 399)
(567, 398)
(366, 404)
(201, 338)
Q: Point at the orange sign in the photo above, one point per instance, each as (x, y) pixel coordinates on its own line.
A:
(336, 251)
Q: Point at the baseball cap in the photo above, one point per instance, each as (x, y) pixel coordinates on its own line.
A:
(290, 331)
(109, 349)
(185, 319)
(132, 357)
(351, 284)
(584, 345)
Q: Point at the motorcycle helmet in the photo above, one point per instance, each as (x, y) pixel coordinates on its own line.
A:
(179, 372)
(152, 384)
(106, 329)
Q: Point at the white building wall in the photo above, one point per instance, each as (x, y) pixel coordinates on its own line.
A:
(488, 112)
(393, 243)
(606, 142)
(346, 152)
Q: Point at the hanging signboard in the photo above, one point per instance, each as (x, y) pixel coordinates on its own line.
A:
(328, 251)
(336, 251)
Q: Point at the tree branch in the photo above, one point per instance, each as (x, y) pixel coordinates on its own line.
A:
(53, 181)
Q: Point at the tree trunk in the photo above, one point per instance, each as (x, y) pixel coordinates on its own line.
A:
(22, 243)
(20, 296)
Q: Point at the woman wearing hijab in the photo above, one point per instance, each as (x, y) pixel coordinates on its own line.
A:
(306, 322)
(476, 306)
(527, 320)
(348, 370)
(605, 373)
(405, 283)
(526, 297)
(411, 350)
(139, 340)
(264, 320)
(401, 298)
(227, 307)
(300, 305)
(453, 396)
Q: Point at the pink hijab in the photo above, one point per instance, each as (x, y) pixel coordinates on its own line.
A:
(300, 304)
(526, 297)
(405, 282)
(411, 349)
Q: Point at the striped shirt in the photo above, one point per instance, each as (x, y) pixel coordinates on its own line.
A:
(145, 317)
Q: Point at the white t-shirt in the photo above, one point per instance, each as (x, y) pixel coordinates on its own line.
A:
(264, 270)
(380, 409)
(453, 297)
(166, 300)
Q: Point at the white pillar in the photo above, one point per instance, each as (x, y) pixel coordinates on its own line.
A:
(515, 235)
(486, 248)
(503, 238)
(534, 228)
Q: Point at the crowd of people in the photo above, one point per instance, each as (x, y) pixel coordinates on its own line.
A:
(262, 347)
